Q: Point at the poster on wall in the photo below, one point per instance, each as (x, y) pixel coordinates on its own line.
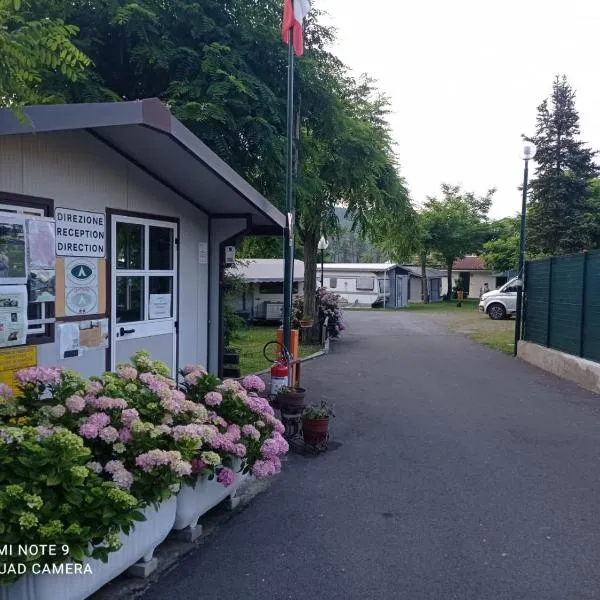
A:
(41, 253)
(13, 315)
(42, 286)
(13, 264)
(76, 337)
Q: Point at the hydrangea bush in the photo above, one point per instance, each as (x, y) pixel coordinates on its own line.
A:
(246, 424)
(79, 458)
(50, 495)
(328, 304)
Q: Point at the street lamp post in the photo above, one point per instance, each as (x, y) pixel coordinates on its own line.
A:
(322, 246)
(528, 154)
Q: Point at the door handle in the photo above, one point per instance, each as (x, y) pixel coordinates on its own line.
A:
(123, 331)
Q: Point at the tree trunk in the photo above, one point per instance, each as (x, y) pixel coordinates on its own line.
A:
(449, 266)
(311, 240)
(424, 289)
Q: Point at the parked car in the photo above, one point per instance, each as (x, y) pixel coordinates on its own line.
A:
(501, 303)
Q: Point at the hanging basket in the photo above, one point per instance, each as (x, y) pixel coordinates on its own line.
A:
(305, 323)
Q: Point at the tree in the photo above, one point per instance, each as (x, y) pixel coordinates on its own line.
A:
(221, 67)
(29, 49)
(455, 224)
(561, 219)
(501, 252)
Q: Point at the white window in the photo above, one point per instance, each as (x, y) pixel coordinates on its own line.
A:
(40, 315)
(364, 283)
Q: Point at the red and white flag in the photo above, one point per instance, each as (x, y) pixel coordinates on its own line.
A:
(294, 12)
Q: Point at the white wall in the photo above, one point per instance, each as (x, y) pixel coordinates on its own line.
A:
(77, 171)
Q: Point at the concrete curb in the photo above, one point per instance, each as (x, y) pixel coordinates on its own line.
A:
(171, 552)
(581, 371)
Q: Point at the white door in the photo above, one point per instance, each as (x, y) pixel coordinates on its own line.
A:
(143, 289)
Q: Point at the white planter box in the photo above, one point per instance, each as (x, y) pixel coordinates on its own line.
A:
(193, 502)
(23, 589)
(139, 544)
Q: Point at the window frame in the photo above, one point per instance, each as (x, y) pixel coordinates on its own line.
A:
(43, 207)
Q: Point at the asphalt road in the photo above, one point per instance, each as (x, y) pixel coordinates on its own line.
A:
(460, 474)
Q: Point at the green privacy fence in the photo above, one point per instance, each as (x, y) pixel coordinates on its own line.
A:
(562, 303)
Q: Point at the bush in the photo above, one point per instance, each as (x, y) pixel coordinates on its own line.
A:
(328, 305)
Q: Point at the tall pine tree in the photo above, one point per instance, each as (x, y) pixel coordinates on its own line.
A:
(561, 219)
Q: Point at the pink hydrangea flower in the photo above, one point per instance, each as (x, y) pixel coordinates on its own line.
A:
(226, 477)
(5, 391)
(108, 434)
(240, 450)
(88, 431)
(125, 435)
(129, 416)
(251, 432)
(197, 465)
(75, 404)
(264, 468)
(213, 399)
(191, 368)
(127, 372)
(93, 387)
(253, 383)
(42, 375)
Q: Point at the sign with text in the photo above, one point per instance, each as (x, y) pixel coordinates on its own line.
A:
(13, 360)
(80, 233)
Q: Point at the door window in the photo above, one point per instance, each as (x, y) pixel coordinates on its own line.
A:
(145, 272)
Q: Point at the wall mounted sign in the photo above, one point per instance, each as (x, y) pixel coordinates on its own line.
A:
(13, 360)
(80, 286)
(80, 233)
(229, 255)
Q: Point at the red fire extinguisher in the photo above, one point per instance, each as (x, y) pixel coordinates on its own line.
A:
(279, 376)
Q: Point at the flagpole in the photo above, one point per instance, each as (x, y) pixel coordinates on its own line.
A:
(289, 202)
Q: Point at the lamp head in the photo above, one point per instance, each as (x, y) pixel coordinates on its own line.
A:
(322, 245)
(529, 150)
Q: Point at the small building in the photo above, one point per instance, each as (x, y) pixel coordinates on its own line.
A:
(363, 284)
(471, 274)
(262, 297)
(117, 222)
(435, 279)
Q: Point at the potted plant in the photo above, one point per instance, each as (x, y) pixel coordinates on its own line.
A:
(290, 398)
(315, 424)
(305, 322)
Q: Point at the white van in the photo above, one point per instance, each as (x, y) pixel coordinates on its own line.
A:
(501, 303)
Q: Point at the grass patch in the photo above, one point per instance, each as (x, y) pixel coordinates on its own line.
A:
(467, 320)
(251, 342)
(452, 306)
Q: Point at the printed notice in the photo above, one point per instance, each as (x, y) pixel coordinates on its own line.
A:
(13, 315)
(68, 340)
(13, 267)
(203, 253)
(80, 233)
(41, 250)
(159, 306)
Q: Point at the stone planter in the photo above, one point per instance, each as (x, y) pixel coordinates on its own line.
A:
(193, 502)
(138, 545)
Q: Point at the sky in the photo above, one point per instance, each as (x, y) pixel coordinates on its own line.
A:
(465, 79)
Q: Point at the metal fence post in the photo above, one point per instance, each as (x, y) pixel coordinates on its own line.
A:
(583, 298)
(549, 319)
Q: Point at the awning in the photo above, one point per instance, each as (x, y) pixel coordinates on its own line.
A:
(147, 134)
